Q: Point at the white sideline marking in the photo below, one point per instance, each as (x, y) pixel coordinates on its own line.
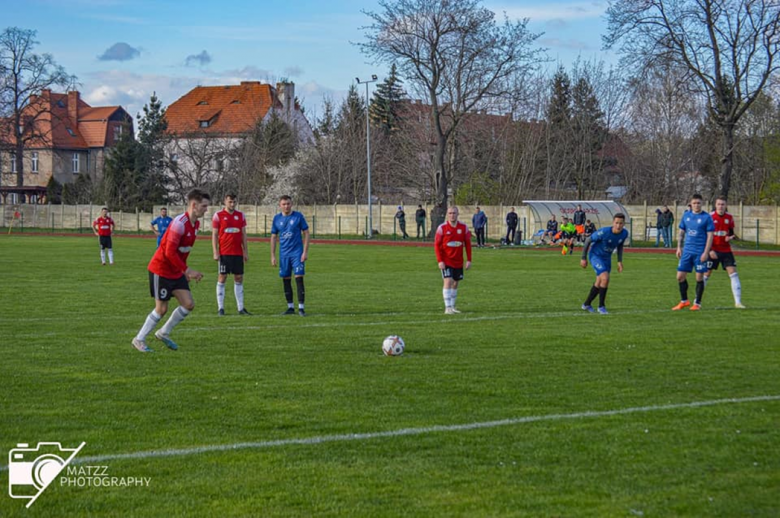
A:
(410, 431)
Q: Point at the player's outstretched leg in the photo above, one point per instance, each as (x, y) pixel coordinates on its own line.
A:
(684, 302)
(139, 342)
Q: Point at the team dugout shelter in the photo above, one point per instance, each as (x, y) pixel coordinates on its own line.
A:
(599, 212)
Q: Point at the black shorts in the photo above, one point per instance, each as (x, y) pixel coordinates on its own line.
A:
(231, 264)
(456, 274)
(724, 258)
(105, 242)
(161, 288)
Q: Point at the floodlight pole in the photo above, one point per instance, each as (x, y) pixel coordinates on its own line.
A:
(370, 230)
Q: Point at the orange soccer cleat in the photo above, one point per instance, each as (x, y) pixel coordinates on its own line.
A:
(681, 305)
(696, 307)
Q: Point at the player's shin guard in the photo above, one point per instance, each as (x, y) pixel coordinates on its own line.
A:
(111, 256)
(446, 294)
(177, 316)
(699, 292)
(684, 290)
(288, 292)
(102, 256)
(602, 296)
(238, 289)
(220, 295)
(301, 292)
(152, 319)
(736, 288)
(594, 291)
(453, 296)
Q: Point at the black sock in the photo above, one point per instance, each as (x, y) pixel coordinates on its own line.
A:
(699, 291)
(288, 290)
(301, 291)
(602, 296)
(684, 290)
(594, 290)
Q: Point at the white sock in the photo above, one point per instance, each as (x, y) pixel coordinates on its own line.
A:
(177, 316)
(446, 294)
(111, 255)
(151, 321)
(220, 295)
(736, 288)
(706, 278)
(300, 306)
(238, 289)
(453, 296)
(102, 256)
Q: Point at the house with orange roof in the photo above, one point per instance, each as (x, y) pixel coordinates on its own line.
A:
(208, 122)
(64, 137)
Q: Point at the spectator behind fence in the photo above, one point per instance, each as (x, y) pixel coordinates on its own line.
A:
(479, 222)
(419, 217)
(511, 226)
(552, 229)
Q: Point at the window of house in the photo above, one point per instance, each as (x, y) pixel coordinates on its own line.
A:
(61, 104)
(71, 133)
(204, 124)
(175, 157)
(117, 132)
(203, 103)
(75, 163)
(13, 162)
(34, 167)
(236, 102)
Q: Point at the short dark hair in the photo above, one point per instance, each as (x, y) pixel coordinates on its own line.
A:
(231, 196)
(164, 208)
(722, 198)
(198, 195)
(697, 196)
(619, 215)
(284, 197)
(104, 208)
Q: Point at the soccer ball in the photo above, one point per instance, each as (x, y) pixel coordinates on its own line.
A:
(393, 346)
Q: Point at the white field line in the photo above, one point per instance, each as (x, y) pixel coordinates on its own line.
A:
(435, 318)
(410, 431)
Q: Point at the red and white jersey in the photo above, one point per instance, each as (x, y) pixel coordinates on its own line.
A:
(724, 226)
(230, 230)
(450, 242)
(103, 225)
(170, 259)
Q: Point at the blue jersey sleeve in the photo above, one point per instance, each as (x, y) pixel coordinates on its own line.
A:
(156, 221)
(304, 225)
(710, 225)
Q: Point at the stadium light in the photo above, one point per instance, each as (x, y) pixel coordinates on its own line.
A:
(370, 233)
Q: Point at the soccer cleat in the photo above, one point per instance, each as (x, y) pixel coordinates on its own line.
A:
(290, 311)
(245, 313)
(221, 313)
(696, 307)
(104, 264)
(564, 250)
(603, 311)
(454, 310)
(448, 311)
(301, 312)
(141, 346)
(681, 305)
(739, 305)
(588, 308)
(167, 341)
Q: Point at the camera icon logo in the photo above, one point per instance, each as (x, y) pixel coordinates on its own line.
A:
(31, 470)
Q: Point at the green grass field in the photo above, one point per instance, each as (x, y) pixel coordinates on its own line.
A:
(521, 349)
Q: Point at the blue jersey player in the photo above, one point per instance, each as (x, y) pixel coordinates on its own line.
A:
(697, 230)
(292, 232)
(161, 222)
(601, 244)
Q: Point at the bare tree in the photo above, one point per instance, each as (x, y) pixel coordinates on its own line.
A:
(23, 77)
(457, 56)
(729, 47)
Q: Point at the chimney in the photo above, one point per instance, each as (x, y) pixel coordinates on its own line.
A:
(73, 106)
(286, 94)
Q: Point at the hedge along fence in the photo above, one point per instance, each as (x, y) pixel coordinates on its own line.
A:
(753, 223)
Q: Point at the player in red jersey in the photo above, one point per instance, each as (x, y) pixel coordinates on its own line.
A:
(169, 273)
(103, 226)
(452, 237)
(721, 253)
(228, 241)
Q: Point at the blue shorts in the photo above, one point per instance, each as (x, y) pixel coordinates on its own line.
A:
(601, 264)
(691, 261)
(291, 264)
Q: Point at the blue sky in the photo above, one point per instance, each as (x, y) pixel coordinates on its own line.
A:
(123, 50)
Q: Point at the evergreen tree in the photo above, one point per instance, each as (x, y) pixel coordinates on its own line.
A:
(559, 107)
(589, 135)
(327, 123)
(386, 102)
(122, 178)
(54, 191)
(152, 187)
(352, 111)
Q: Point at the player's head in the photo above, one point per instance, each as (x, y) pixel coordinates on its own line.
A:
(419, 206)
(511, 209)
(285, 203)
(720, 205)
(163, 211)
(198, 202)
(579, 207)
(696, 202)
(230, 202)
(452, 214)
(477, 209)
(104, 211)
(553, 217)
(618, 222)
(587, 221)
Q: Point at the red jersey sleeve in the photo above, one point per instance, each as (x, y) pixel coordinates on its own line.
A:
(437, 245)
(215, 221)
(171, 242)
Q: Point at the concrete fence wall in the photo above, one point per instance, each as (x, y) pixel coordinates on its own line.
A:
(751, 221)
